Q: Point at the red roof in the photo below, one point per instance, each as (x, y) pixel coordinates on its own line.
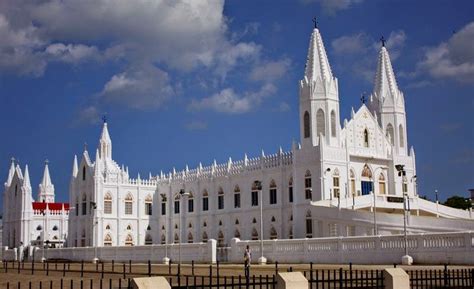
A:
(51, 206)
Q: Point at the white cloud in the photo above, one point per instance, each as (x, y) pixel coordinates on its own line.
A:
(283, 107)
(453, 59)
(228, 101)
(271, 70)
(72, 53)
(333, 6)
(88, 115)
(352, 44)
(142, 87)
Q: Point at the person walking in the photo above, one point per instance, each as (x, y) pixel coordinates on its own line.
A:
(247, 260)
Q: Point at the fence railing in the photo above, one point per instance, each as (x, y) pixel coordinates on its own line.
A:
(447, 278)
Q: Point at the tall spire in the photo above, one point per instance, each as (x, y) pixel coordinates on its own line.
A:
(75, 169)
(105, 143)
(317, 63)
(11, 172)
(26, 178)
(46, 187)
(385, 82)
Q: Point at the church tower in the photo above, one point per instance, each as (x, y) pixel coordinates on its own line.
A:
(319, 97)
(388, 102)
(105, 143)
(46, 188)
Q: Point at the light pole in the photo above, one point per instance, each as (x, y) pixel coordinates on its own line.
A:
(258, 185)
(437, 203)
(166, 260)
(182, 194)
(324, 186)
(43, 259)
(95, 242)
(406, 259)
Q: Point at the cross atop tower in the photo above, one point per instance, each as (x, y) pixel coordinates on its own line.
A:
(104, 119)
(383, 41)
(46, 161)
(315, 21)
(363, 97)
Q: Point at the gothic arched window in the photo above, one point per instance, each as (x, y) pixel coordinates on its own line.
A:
(389, 133)
(307, 186)
(321, 123)
(148, 206)
(128, 204)
(336, 190)
(148, 239)
(306, 125)
(381, 184)
(204, 237)
(366, 138)
(273, 192)
(237, 234)
(190, 237)
(290, 190)
(108, 203)
(220, 199)
(309, 225)
(254, 234)
(273, 233)
(108, 240)
(129, 240)
(333, 123)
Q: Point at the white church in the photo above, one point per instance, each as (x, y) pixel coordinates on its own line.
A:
(339, 180)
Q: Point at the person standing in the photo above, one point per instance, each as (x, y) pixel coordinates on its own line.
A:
(247, 260)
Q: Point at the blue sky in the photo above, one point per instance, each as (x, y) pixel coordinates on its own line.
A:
(183, 82)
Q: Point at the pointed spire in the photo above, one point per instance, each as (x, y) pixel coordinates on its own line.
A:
(317, 63)
(46, 187)
(105, 143)
(46, 181)
(385, 82)
(75, 169)
(11, 172)
(26, 179)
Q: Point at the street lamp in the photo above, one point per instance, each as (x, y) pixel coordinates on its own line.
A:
(437, 203)
(324, 186)
(406, 259)
(95, 242)
(166, 260)
(258, 185)
(182, 194)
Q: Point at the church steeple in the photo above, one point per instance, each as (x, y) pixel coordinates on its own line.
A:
(11, 172)
(26, 178)
(319, 97)
(46, 187)
(105, 143)
(388, 102)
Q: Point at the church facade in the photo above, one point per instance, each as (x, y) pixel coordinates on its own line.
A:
(341, 179)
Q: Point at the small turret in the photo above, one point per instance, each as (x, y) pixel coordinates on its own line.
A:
(75, 169)
(46, 187)
(105, 143)
(26, 178)
(11, 172)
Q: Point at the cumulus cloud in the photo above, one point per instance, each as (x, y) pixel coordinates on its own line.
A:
(333, 6)
(271, 70)
(452, 59)
(88, 115)
(142, 87)
(72, 53)
(228, 101)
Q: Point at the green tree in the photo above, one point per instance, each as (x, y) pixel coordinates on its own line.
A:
(458, 202)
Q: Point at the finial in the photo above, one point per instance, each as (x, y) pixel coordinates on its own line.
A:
(315, 21)
(46, 162)
(104, 118)
(383, 41)
(85, 146)
(13, 160)
(363, 97)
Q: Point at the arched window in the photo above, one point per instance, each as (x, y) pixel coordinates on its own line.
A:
(108, 203)
(107, 227)
(366, 181)
(291, 218)
(273, 233)
(254, 234)
(307, 186)
(306, 125)
(204, 237)
(236, 196)
(148, 239)
(254, 195)
(148, 205)
(220, 239)
(237, 221)
(309, 225)
(333, 123)
(389, 133)
(84, 204)
(236, 234)
(190, 225)
(220, 199)
(220, 223)
(163, 205)
(190, 202)
(190, 237)
(176, 238)
(320, 123)
(205, 201)
(273, 192)
(129, 240)
(84, 173)
(55, 228)
(353, 182)
(402, 136)
(83, 238)
(39, 228)
(148, 228)
(366, 138)
(290, 190)
(77, 206)
(335, 184)
(129, 227)
(176, 226)
(55, 238)
(176, 204)
(290, 233)
(108, 240)
(254, 221)
(128, 204)
(204, 224)
(163, 239)
(273, 219)
(381, 184)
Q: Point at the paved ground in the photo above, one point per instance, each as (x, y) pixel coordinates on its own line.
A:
(94, 272)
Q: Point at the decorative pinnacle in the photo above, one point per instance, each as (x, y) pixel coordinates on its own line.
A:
(383, 41)
(315, 21)
(46, 162)
(13, 160)
(85, 146)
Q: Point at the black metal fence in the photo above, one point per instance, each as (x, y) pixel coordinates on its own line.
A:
(195, 282)
(442, 279)
(325, 279)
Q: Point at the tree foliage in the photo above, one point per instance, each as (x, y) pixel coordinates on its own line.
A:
(458, 202)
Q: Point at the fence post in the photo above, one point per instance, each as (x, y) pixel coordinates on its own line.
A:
(445, 275)
(276, 267)
(123, 270)
(32, 267)
(340, 277)
(64, 269)
(47, 268)
(192, 267)
(19, 267)
(82, 268)
(149, 268)
(113, 266)
(129, 266)
(169, 267)
(102, 275)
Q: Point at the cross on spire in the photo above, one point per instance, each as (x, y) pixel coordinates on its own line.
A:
(315, 21)
(46, 161)
(104, 119)
(363, 97)
(383, 41)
